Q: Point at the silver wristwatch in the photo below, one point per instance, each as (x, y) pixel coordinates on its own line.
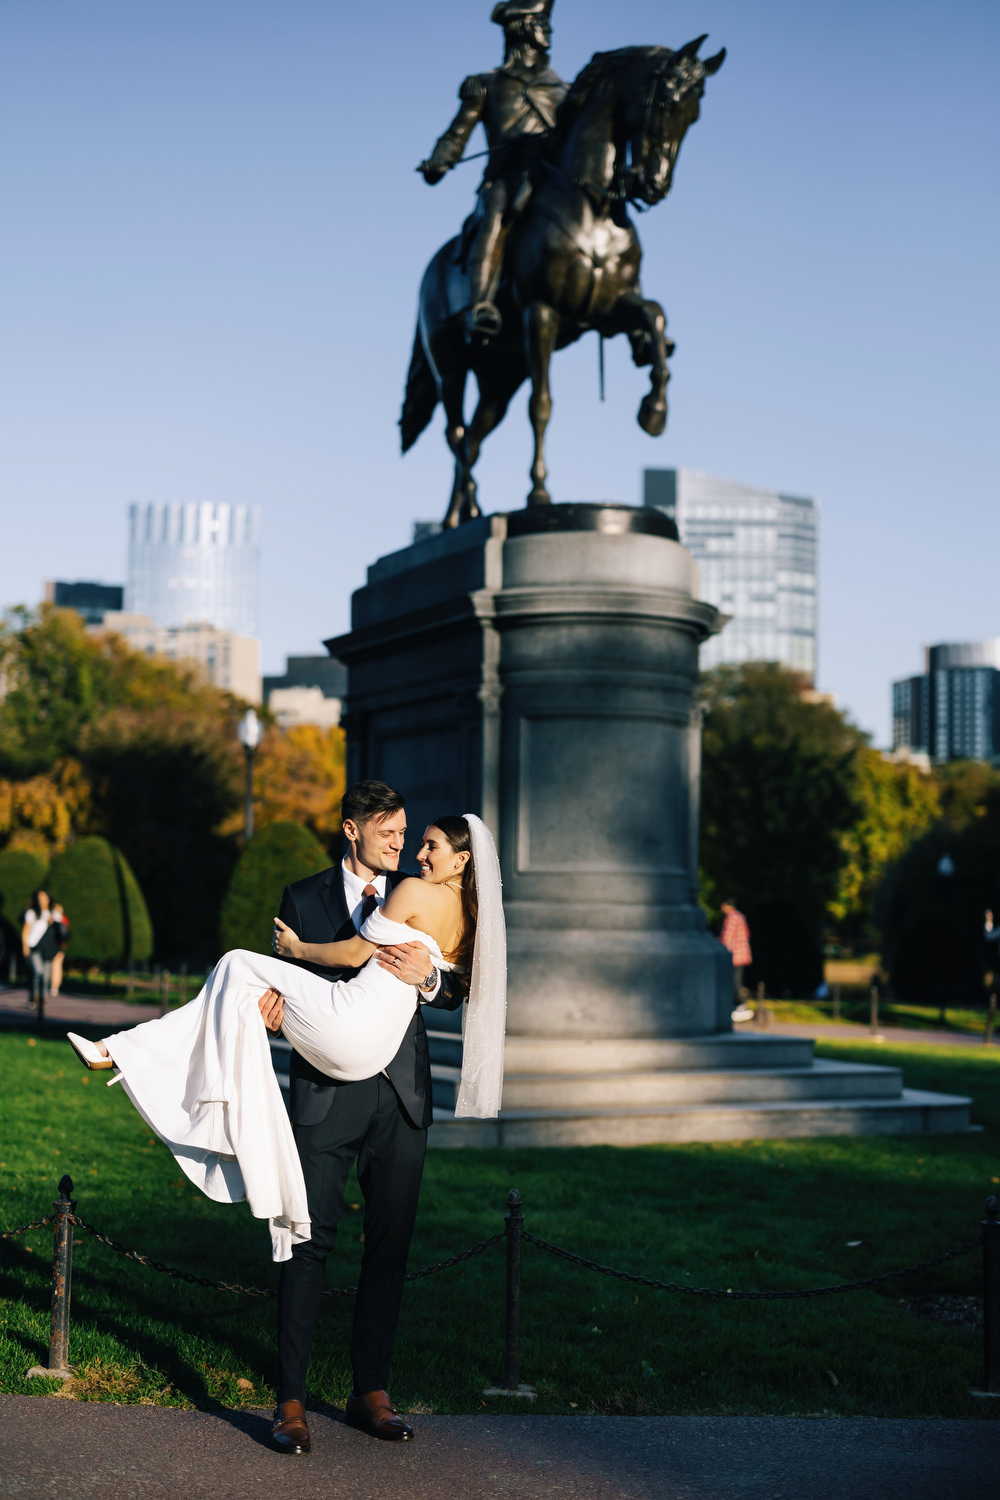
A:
(425, 984)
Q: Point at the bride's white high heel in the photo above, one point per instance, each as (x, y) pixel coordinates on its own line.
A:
(89, 1053)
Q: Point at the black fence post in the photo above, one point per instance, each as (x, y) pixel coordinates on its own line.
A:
(991, 1300)
(513, 1226)
(873, 1010)
(62, 1275)
(991, 1017)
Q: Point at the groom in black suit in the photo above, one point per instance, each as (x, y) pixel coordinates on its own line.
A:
(381, 1122)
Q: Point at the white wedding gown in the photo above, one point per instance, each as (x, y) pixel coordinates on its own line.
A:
(202, 1078)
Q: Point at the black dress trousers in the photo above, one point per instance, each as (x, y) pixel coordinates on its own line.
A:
(364, 1121)
(382, 1121)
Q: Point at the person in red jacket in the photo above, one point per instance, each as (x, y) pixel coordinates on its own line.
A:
(735, 936)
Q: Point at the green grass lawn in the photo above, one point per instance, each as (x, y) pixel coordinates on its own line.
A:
(764, 1214)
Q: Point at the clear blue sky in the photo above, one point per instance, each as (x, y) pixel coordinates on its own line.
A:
(213, 237)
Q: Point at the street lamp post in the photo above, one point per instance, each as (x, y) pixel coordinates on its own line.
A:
(250, 733)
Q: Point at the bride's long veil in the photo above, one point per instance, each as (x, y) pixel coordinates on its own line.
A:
(485, 1016)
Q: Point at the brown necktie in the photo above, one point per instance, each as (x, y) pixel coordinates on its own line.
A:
(369, 904)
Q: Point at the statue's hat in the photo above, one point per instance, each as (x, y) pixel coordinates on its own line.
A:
(510, 10)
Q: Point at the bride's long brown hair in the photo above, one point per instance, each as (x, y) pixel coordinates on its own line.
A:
(456, 831)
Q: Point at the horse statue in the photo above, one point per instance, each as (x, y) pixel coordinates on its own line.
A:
(571, 264)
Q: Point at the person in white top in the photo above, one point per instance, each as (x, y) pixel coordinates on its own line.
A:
(39, 947)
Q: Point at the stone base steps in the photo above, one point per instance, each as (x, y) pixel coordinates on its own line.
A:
(547, 1091)
(725, 1088)
(912, 1112)
(549, 1055)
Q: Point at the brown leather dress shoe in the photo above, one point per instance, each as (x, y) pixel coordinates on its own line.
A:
(290, 1433)
(374, 1413)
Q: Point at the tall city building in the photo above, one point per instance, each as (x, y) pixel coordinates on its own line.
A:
(90, 600)
(757, 551)
(194, 564)
(952, 710)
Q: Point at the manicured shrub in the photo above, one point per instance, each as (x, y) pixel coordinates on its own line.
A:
(109, 921)
(21, 872)
(278, 854)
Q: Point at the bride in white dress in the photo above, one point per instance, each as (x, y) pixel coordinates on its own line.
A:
(202, 1077)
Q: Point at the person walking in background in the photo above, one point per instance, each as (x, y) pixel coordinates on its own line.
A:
(60, 930)
(39, 945)
(735, 936)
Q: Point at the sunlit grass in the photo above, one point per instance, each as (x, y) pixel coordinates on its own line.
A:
(771, 1214)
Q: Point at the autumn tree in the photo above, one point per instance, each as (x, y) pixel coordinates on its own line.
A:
(96, 739)
(299, 777)
(44, 812)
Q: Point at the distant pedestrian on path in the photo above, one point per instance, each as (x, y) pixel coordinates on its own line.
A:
(39, 944)
(60, 928)
(735, 936)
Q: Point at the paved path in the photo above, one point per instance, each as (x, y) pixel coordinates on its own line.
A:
(53, 1448)
(846, 1031)
(16, 1008)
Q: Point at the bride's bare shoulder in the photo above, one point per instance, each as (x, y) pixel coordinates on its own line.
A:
(409, 897)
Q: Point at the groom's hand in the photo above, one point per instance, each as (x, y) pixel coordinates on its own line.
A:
(410, 962)
(272, 1007)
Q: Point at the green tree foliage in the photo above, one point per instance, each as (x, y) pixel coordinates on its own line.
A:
(164, 779)
(778, 790)
(109, 921)
(156, 746)
(932, 921)
(277, 855)
(897, 805)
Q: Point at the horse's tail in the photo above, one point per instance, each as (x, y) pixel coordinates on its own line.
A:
(421, 396)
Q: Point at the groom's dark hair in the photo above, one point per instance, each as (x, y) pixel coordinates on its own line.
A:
(370, 799)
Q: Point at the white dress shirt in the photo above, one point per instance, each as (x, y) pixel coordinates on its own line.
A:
(354, 888)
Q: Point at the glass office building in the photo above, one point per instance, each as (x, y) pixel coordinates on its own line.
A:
(951, 711)
(757, 551)
(194, 564)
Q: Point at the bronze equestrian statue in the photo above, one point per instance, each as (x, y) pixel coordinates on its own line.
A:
(554, 254)
(516, 104)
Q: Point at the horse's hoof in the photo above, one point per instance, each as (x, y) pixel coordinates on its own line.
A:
(652, 416)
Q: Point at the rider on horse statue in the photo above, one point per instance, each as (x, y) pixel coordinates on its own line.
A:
(516, 104)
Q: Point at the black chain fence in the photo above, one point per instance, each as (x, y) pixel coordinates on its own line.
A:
(251, 1291)
(65, 1219)
(733, 1293)
(8, 1234)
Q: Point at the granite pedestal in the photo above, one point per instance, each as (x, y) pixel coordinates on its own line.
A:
(540, 669)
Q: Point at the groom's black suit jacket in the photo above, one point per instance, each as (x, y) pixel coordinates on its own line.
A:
(316, 909)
